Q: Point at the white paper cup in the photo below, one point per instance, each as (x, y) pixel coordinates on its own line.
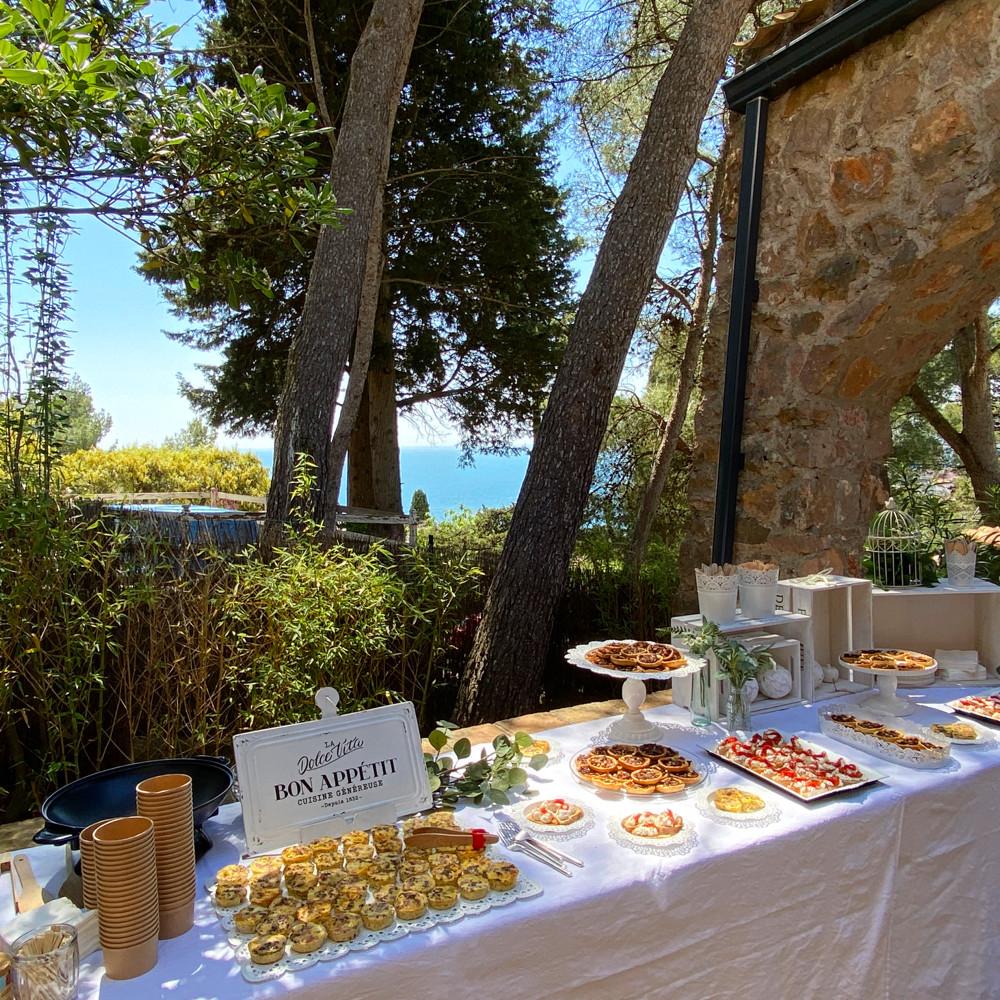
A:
(718, 606)
(757, 601)
(961, 568)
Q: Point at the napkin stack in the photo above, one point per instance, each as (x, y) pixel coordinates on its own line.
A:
(959, 665)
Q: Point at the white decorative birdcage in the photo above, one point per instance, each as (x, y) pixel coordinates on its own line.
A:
(895, 548)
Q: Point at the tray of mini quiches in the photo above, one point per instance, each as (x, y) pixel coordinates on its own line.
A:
(649, 769)
(317, 902)
(883, 736)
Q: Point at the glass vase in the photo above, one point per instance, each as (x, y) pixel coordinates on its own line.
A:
(738, 711)
(700, 686)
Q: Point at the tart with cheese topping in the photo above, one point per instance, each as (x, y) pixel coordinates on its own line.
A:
(411, 905)
(247, 920)
(342, 927)
(232, 875)
(267, 949)
(276, 923)
(442, 897)
(228, 896)
(305, 937)
(378, 916)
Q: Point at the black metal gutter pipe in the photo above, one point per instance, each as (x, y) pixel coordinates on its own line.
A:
(821, 47)
(749, 93)
(738, 350)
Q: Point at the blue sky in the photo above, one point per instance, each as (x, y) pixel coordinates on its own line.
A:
(118, 345)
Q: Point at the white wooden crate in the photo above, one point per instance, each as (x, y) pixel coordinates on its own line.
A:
(941, 617)
(840, 614)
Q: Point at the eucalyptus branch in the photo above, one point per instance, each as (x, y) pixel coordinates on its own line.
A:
(488, 779)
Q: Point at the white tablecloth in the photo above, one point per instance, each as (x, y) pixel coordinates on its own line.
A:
(889, 892)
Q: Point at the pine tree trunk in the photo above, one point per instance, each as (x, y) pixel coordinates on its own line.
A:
(504, 673)
(360, 481)
(340, 297)
(975, 444)
(689, 369)
(387, 484)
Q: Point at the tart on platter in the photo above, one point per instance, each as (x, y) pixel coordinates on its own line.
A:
(640, 657)
(888, 659)
(649, 769)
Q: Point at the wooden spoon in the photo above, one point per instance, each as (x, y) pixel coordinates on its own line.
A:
(31, 895)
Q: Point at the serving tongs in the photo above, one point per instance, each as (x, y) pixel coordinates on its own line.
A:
(436, 836)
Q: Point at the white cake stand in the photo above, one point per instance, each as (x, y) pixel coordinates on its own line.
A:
(885, 699)
(633, 727)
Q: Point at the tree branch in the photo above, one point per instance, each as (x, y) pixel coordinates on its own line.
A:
(952, 437)
(324, 112)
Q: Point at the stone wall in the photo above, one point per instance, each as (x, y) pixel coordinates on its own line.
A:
(879, 239)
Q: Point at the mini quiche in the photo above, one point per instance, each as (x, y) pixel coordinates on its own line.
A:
(267, 949)
(306, 937)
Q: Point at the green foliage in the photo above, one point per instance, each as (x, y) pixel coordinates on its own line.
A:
(701, 640)
(161, 470)
(196, 434)
(114, 647)
(489, 779)
(100, 120)
(419, 506)
(485, 528)
(475, 254)
(84, 426)
(737, 661)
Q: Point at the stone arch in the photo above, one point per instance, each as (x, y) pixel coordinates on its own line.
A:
(879, 239)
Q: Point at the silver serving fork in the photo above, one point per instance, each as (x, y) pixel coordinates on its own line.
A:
(508, 841)
(522, 837)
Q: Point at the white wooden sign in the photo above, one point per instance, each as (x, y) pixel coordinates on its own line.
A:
(322, 778)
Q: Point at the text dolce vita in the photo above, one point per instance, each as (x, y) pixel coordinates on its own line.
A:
(340, 782)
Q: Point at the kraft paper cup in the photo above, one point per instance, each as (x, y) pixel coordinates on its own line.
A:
(128, 963)
(126, 834)
(88, 865)
(164, 787)
(176, 921)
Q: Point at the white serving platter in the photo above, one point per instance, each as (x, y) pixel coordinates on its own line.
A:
(577, 656)
(957, 706)
(921, 760)
(869, 776)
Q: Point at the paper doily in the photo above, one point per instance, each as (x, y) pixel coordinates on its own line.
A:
(771, 813)
(683, 843)
(578, 829)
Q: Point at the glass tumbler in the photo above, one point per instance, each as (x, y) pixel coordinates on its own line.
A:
(46, 964)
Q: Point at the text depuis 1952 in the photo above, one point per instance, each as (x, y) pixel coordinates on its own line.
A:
(364, 771)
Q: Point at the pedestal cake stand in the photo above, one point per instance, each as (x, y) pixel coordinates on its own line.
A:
(633, 726)
(885, 699)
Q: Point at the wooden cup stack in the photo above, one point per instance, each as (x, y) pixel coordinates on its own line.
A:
(127, 903)
(167, 801)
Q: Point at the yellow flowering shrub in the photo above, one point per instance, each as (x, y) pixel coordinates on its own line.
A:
(162, 470)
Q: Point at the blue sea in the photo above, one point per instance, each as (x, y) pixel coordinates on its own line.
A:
(494, 480)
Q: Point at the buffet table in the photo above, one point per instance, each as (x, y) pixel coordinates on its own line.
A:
(889, 891)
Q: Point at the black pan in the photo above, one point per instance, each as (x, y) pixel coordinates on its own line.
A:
(111, 793)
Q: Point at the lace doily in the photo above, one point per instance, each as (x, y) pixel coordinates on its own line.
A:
(771, 813)
(757, 577)
(920, 759)
(578, 829)
(682, 843)
(717, 584)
